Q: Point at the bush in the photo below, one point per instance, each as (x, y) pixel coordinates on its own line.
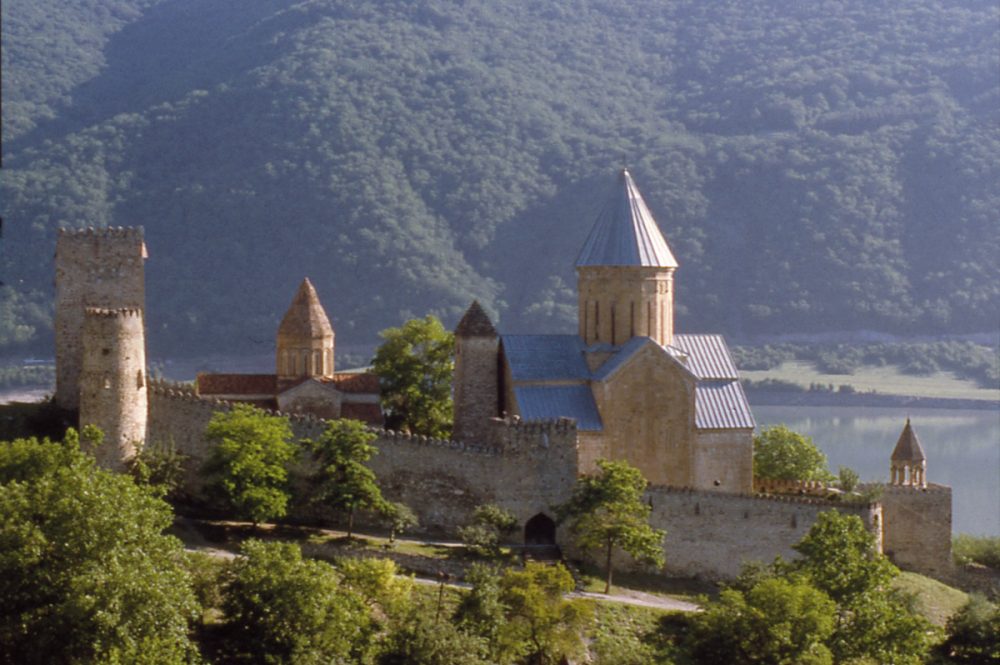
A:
(984, 550)
(489, 523)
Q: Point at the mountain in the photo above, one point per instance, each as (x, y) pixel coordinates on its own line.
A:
(814, 166)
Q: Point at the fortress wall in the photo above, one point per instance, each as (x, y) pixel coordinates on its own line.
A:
(711, 534)
(724, 459)
(917, 531)
(526, 467)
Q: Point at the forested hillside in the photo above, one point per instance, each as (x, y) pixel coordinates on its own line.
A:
(815, 166)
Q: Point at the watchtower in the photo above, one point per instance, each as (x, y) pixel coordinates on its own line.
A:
(100, 268)
(113, 382)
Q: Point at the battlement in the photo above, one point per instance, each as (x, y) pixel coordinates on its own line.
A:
(803, 500)
(421, 440)
(113, 312)
(110, 232)
(801, 487)
(513, 434)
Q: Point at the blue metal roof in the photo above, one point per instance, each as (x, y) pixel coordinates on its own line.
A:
(722, 405)
(552, 402)
(626, 351)
(545, 357)
(625, 233)
(707, 356)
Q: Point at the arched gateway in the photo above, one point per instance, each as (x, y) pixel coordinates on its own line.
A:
(540, 530)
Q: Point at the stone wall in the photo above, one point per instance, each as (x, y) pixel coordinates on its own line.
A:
(617, 303)
(94, 268)
(711, 534)
(724, 459)
(917, 529)
(476, 385)
(526, 467)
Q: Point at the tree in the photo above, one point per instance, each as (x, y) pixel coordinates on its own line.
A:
(606, 511)
(414, 366)
(86, 572)
(781, 454)
(342, 481)
(973, 633)
(399, 518)
(424, 641)
(281, 608)
(481, 612)
(777, 621)
(248, 464)
(489, 523)
(541, 625)
(839, 557)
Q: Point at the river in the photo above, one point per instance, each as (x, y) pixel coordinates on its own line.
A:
(962, 448)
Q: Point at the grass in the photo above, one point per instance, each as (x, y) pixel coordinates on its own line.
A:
(887, 380)
(627, 635)
(934, 600)
(686, 589)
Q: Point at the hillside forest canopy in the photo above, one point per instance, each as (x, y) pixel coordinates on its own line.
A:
(815, 166)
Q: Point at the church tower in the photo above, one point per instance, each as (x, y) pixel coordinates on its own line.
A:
(305, 338)
(908, 464)
(625, 273)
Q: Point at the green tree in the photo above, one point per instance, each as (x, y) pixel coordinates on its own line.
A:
(414, 365)
(542, 626)
(422, 640)
(777, 621)
(281, 608)
(973, 633)
(781, 454)
(341, 480)
(399, 518)
(248, 463)
(86, 572)
(489, 523)
(606, 511)
(481, 611)
(839, 557)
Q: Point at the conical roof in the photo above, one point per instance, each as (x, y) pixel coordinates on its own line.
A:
(908, 448)
(305, 318)
(475, 323)
(625, 233)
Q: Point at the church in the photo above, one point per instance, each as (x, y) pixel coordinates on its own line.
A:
(669, 404)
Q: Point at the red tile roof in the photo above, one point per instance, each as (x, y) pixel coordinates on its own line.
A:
(355, 383)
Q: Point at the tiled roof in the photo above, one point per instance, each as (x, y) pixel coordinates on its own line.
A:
(352, 382)
(305, 318)
(908, 448)
(475, 323)
(545, 357)
(708, 356)
(237, 384)
(625, 233)
(368, 413)
(722, 405)
(553, 402)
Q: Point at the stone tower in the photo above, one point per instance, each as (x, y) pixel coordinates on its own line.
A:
(908, 464)
(625, 273)
(305, 338)
(113, 382)
(476, 377)
(94, 268)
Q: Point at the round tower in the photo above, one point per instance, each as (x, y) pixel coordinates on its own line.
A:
(908, 464)
(625, 273)
(475, 382)
(305, 338)
(113, 382)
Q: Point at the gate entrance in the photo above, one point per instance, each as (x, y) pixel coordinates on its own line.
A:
(540, 530)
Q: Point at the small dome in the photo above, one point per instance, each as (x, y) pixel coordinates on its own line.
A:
(305, 318)
(908, 448)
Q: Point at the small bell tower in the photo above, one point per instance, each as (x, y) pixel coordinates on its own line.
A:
(305, 338)
(908, 464)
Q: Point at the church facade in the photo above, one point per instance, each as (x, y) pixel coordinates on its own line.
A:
(669, 404)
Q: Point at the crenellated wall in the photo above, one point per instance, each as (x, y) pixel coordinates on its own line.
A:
(711, 534)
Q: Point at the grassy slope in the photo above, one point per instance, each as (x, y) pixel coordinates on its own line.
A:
(935, 600)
